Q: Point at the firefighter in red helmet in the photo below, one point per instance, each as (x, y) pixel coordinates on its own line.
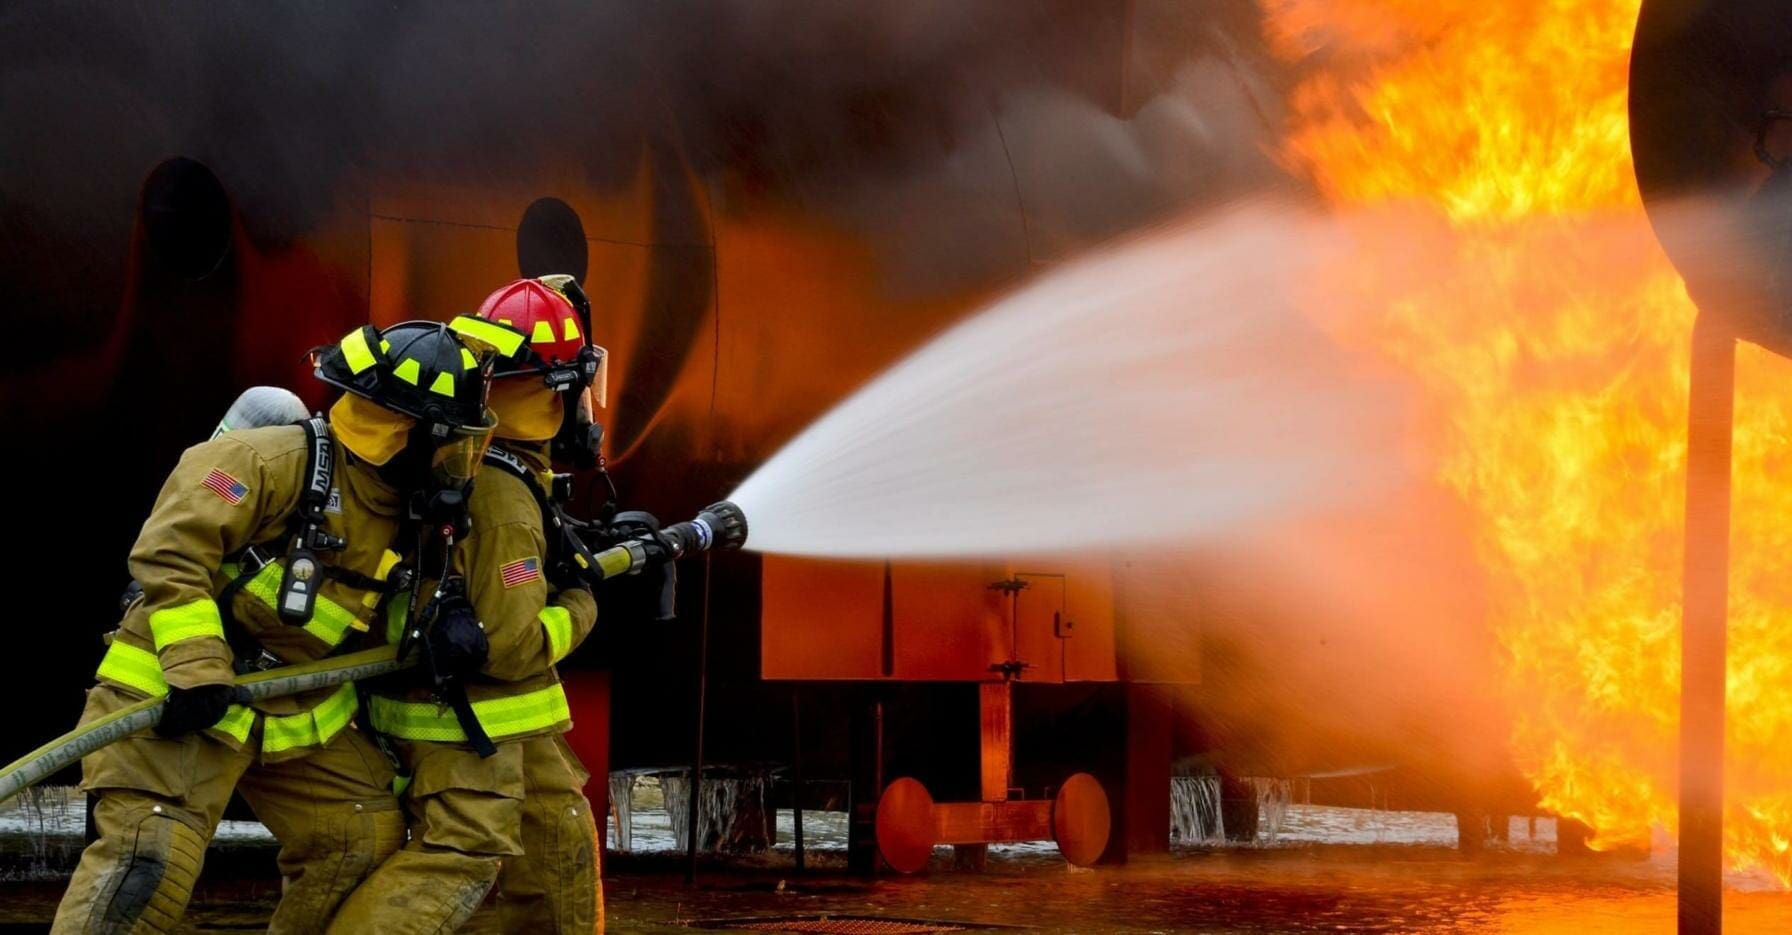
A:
(516, 817)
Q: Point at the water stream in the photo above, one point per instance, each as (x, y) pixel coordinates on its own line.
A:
(1167, 389)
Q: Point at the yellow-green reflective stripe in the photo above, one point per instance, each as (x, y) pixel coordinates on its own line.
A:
(443, 384)
(558, 622)
(265, 586)
(505, 340)
(237, 722)
(408, 370)
(133, 667)
(189, 620)
(501, 717)
(315, 727)
(329, 622)
(139, 669)
(355, 351)
(395, 609)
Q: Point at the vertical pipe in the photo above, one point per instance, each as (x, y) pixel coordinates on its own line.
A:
(867, 783)
(995, 708)
(694, 800)
(1705, 599)
(796, 770)
(887, 659)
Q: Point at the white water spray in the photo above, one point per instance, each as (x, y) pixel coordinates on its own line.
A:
(1164, 390)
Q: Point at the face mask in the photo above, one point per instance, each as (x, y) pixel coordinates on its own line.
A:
(455, 461)
(580, 439)
(438, 470)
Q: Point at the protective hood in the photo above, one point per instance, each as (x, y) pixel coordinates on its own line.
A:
(374, 433)
(526, 410)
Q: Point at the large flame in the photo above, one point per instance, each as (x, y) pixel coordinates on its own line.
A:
(1527, 297)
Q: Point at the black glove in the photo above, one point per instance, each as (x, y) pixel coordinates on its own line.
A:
(454, 644)
(132, 591)
(197, 708)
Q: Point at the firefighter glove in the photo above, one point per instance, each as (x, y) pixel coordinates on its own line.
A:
(197, 708)
(455, 646)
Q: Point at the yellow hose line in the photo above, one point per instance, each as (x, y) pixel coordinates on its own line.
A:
(68, 749)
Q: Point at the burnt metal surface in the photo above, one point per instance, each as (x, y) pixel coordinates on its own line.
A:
(1706, 77)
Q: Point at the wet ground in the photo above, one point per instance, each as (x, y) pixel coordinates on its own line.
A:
(1302, 889)
(1311, 888)
(1330, 870)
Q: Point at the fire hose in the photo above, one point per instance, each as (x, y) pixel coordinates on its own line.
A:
(68, 749)
(720, 526)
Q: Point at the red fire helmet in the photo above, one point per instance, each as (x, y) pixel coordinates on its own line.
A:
(545, 315)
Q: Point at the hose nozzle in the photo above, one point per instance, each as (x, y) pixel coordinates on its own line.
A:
(720, 526)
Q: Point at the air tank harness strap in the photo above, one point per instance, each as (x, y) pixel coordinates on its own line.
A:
(302, 578)
(455, 693)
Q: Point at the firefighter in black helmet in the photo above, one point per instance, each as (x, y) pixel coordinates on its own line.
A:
(271, 546)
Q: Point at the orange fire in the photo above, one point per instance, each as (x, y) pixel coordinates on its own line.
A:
(1527, 298)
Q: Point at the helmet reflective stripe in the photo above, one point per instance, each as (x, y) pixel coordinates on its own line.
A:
(407, 370)
(443, 384)
(356, 352)
(507, 341)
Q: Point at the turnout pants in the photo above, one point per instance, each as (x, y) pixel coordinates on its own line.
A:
(159, 801)
(553, 885)
(466, 818)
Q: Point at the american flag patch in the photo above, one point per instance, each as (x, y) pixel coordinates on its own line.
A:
(521, 571)
(228, 489)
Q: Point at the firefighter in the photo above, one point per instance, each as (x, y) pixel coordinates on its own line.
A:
(270, 546)
(513, 814)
